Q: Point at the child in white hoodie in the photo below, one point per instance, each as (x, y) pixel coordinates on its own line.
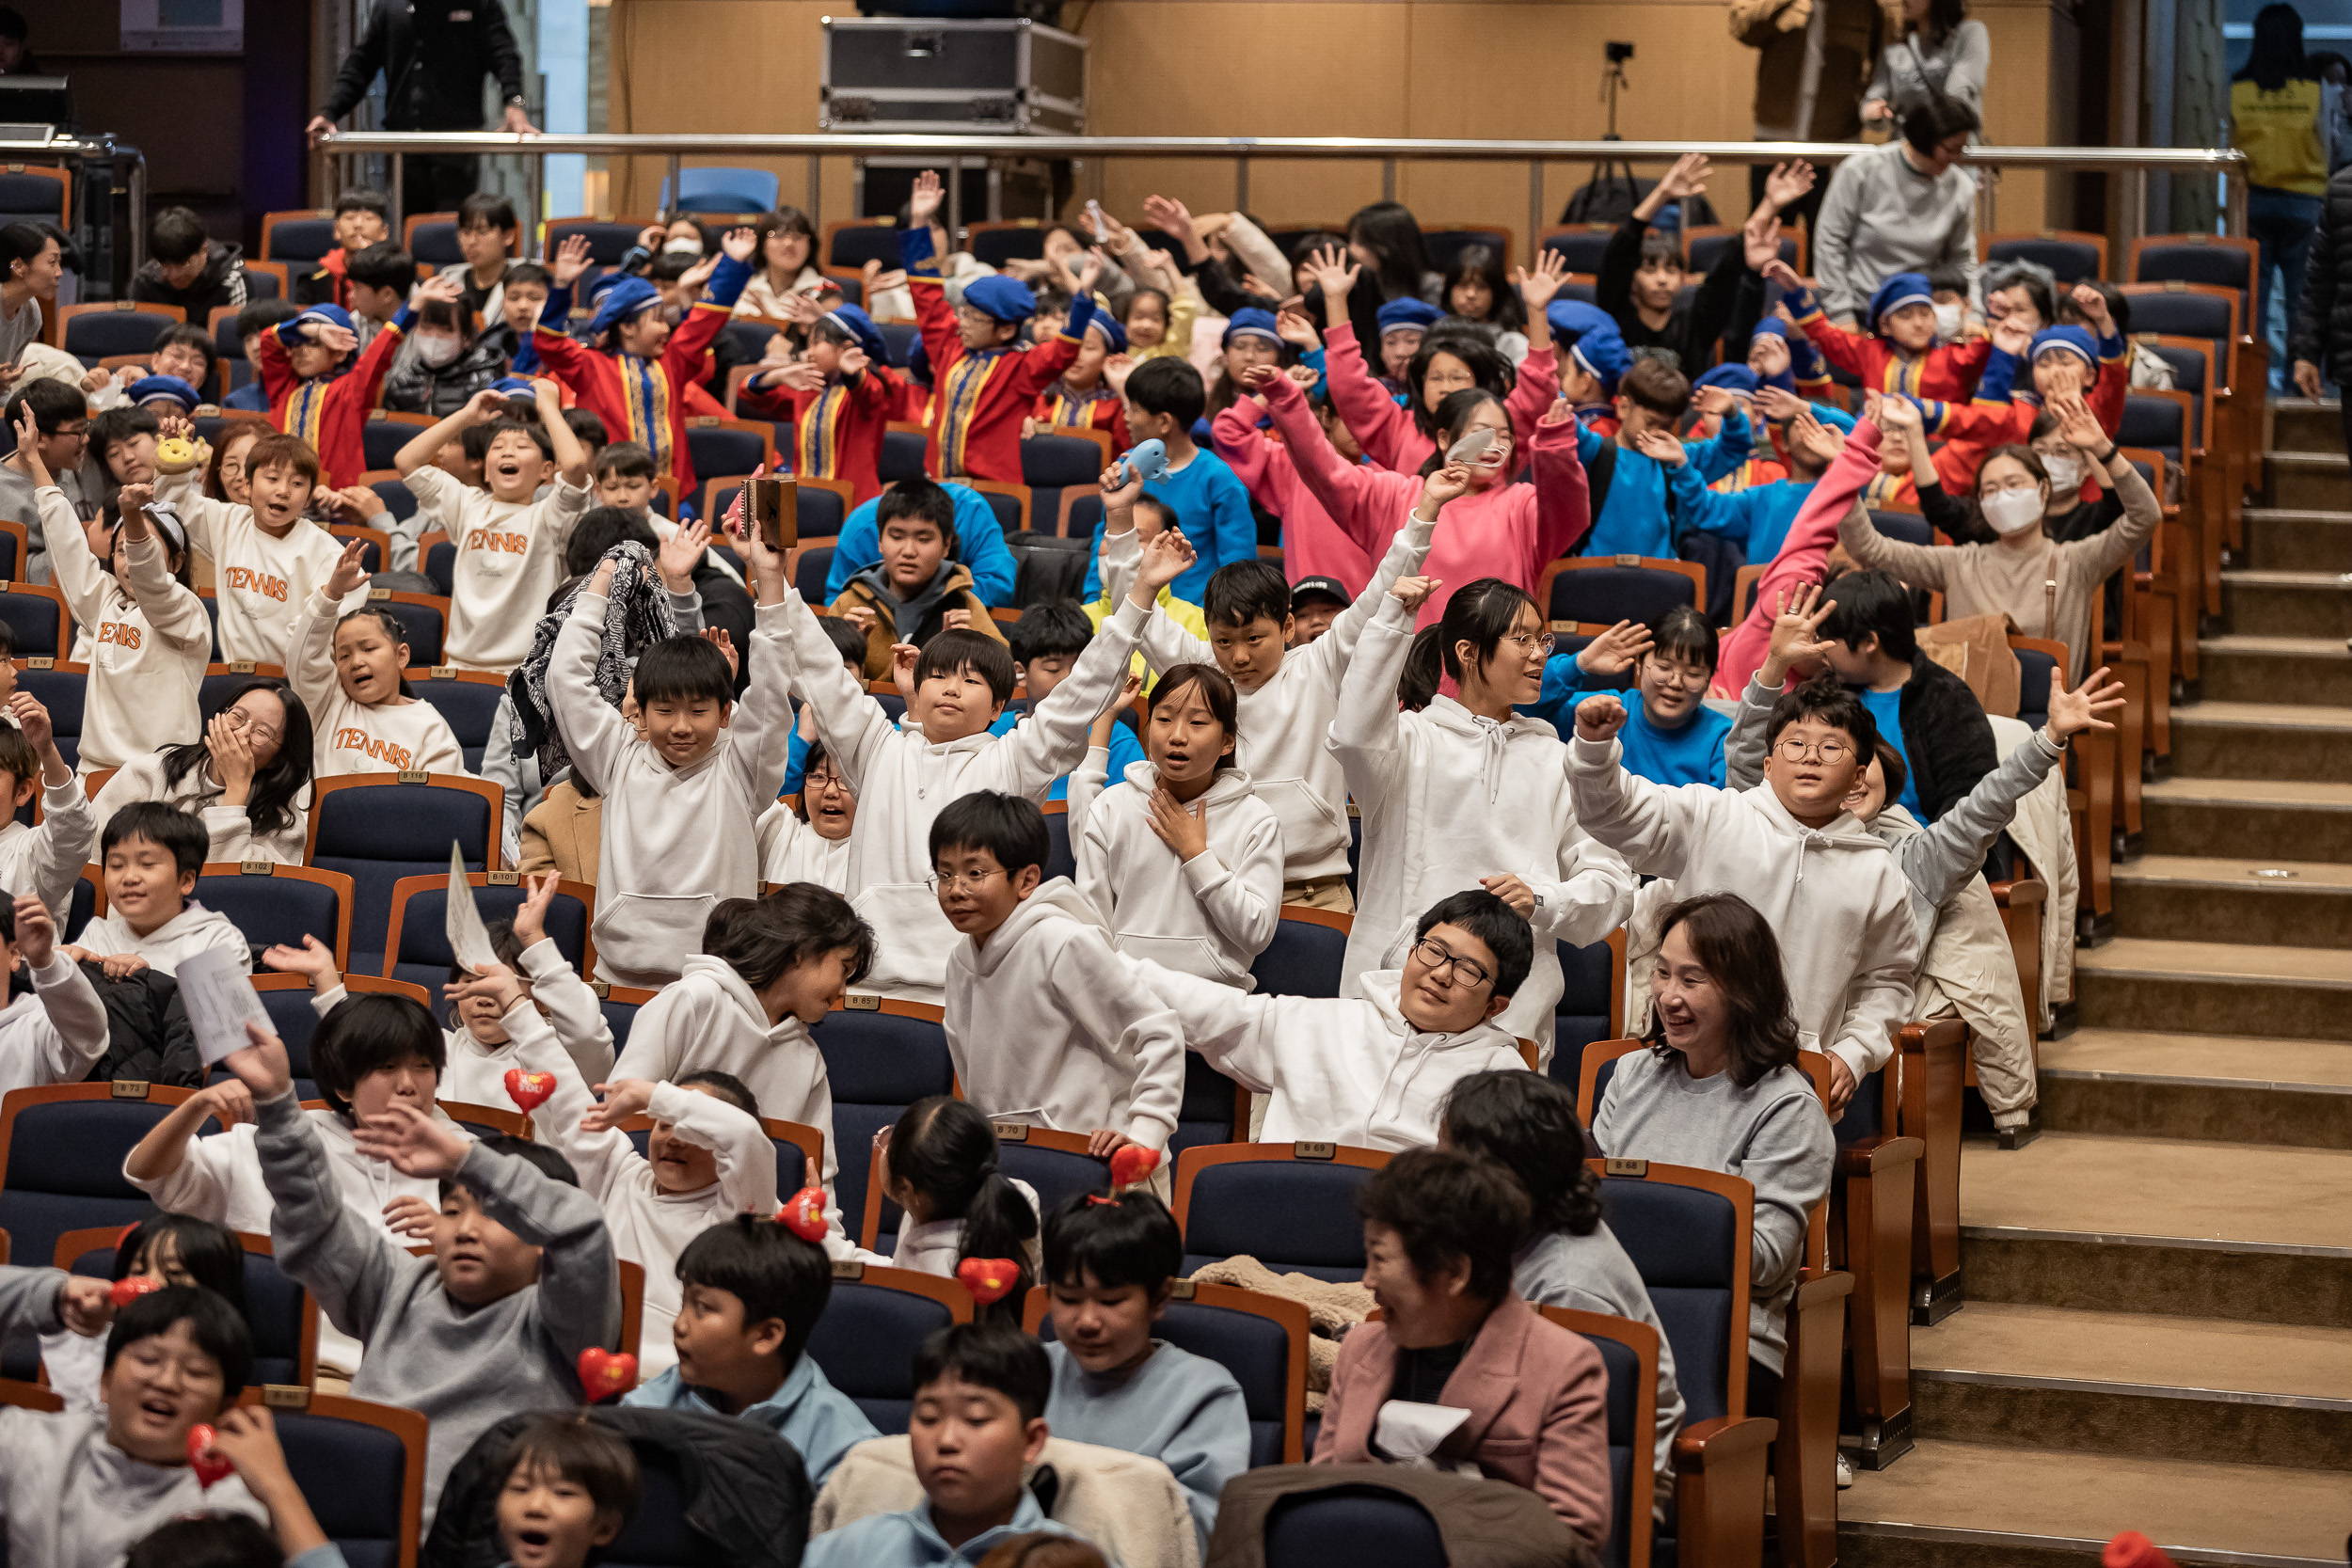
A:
(55, 1033)
(1373, 1071)
(1046, 1023)
(1180, 857)
(940, 1165)
(347, 668)
(1461, 792)
(905, 775)
(1832, 893)
(769, 969)
(1288, 696)
(46, 860)
(152, 854)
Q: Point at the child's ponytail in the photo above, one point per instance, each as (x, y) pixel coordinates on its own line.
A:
(999, 1222)
(947, 1151)
(1424, 664)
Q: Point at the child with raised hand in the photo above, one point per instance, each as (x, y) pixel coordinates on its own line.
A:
(939, 1164)
(1670, 736)
(143, 630)
(1109, 1266)
(1165, 404)
(56, 1031)
(1898, 352)
(41, 860)
(683, 791)
(247, 1438)
(1313, 544)
(481, 1048)
(750, 1293)
(1403, 439)
(1461, 792)
(632, 369)
(247, 780)
(308, 397)
(1500, 528)
(150, 855)
(1180, 856)
(166, 1249)
(1083, 398)
(80, 1488)
(839, 399)
(510, 543)
(569, 1488)
(347, 670)
(1097, 1054)
(808, 840)
(987, 382)
(520, 1282)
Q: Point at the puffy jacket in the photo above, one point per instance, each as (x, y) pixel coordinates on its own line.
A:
(2323, 328)
(147, 1033)
(413, 386)
(221, 282)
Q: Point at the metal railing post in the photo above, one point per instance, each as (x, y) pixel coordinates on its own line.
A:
(1388, 178)
(399, 179)
(1534, 209)
(955, 203)
(2234, 185)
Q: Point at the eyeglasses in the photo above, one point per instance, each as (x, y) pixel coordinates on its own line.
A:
(1830, 751)
(1529, 642)
(951, 880)
(239, 718)
(1469, 972)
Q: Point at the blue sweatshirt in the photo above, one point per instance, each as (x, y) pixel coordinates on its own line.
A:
(1183, 1410)
(1213, 509)
(1757, 520)
(1692, 754)
(979, 545)
(1633, 518)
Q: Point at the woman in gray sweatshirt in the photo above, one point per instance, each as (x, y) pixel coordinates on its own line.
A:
(1718, 1088)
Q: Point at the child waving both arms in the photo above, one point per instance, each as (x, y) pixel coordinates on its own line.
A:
(347, 672)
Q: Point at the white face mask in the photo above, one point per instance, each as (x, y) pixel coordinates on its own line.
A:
(2065, 473)
(2013, 511)
(1947, 320)
(437, 351)
(682, 246)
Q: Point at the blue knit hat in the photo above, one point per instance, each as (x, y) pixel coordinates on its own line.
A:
(1408, 313)
(333, 315)
(2068, 340)
(861, 327)
(1003, 298)
(1250, 322)
(515, 387)
(1738, 377)
(1113, 335)
(1784, 378)
(622, 302)
(165, 389)
(1904, 288)
(1589, 335)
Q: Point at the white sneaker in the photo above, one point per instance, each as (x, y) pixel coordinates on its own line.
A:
(1845, 1473)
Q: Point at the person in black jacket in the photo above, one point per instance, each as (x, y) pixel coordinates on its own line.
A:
(2321, 342)
(1928, 713)
(433, 54)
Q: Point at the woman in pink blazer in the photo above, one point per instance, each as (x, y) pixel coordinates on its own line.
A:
(1440, 1231)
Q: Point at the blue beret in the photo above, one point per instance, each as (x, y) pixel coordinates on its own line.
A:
(2070, 339)
(1400, 313)
(1113, 335)
(1773, 326)
(165, 389)
(1904, 288)
(333, 315)
(1571, 319)
(515, 387)
(621, 302)
(1250, 322)
(1001, 297)
(861, 327)
(1738, 377)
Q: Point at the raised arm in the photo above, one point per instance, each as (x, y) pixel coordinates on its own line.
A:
(1361, 497)
(1053, 739)
(1653, 827)
(317, 1238)
(75, 569)
(594, 731)
(1563, 493)
(171, 606)
(485, 405)
(854, 725)
(580, 1285)
(682, 357)
(1365, 727)
(1372, 416)
(1803, 553)
(1088, 982)
(67, 834)
(603, 1159)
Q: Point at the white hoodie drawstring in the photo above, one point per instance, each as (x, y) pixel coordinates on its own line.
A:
(1497, 741)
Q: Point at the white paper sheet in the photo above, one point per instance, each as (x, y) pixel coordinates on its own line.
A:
(469, 939)
(1409, 1431)
(220, 1000)
(1471, 447)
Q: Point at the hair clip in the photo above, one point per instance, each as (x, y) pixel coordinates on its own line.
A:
(1106, 1202)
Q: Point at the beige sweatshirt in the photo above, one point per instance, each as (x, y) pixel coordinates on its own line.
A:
(150, 639)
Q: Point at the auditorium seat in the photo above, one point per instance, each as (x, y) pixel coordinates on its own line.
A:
(379, 827)
(273, 904)
(1290, 1206)
(467, 700)
(866, 1341)
(360, 1466)
(881, 1056)
(1305, 959)
(278, 1309)
(417, 946)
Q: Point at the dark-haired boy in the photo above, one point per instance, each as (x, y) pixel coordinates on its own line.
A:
(521, 1280)
(1833, 896)
(904, 777)
(1046, 1022)
(980, 543)
(1109, 1266)
(254, 322)
(1633, 514)
(299, 366)
(979, 1422)
(152, 853)
(749, 1295)
(486, 233)
(918, 589)
(1929, 715)
(376, 285)
(188, 268)
(1045, 645)
(986, 381)
(683, 793)
(510, 541)
(1164, 398)
(1898, 351)
(362, 217)
(1373, 1071)
(61, 416)
(183, 353)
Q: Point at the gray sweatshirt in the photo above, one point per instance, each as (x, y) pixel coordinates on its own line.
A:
(29, 1300)
(1592, 1274)
(1774, 1134)
(463, 1367)
(1882, 216)
(17, 505)
(74, 1500)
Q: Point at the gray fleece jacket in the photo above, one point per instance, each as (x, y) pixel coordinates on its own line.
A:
(29, 1300)
(465, 1368)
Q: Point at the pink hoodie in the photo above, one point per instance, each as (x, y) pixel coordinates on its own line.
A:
(1804, 557)
(1511, 532)
(1385, 428)
(1313, 544)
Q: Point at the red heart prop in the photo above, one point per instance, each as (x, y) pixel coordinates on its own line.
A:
(803, 1215)
(989, 1278)
(203, 1458)
(528, 1090)
(130, 1288)
(1132, 1164)
(605, 1374)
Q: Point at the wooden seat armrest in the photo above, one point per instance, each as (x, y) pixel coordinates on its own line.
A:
(1816, 1288)
(2024, 890)
(1706, 1445)
(1720, 1468)
(1922, 1035)
(1872, 1155)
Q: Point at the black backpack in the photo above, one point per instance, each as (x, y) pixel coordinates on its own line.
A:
(1613, 193)
(1047, 567)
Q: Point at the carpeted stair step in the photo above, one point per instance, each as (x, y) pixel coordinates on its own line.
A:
(2248, 902)
(2217, 1088)
(2307, 480)
(2297, 672)
(2292, 819)
(2306, 424)
(2287, 604)
(2262, 741)
(2284, 539)
(2216, 989)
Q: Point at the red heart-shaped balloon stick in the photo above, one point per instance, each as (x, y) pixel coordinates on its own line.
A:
(528, 1090)
(130, 1288)
(803, 1215)
(205, 1459)
(988, 1278)
(1134, 1164)
(603, 1373)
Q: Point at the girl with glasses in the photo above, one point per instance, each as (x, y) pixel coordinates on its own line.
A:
(248, 777)
(1670, 736)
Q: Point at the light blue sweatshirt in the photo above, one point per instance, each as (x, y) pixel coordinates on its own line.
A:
(820, 1422)
(1183, 1410)
(1633, 519)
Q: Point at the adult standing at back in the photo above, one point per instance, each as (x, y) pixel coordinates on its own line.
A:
(1942, 51)
(2275, 103)
(1813, 58)
(2321, 333)
(433, 54)
(1905, 207)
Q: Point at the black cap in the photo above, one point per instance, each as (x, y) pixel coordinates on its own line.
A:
(1305, 588)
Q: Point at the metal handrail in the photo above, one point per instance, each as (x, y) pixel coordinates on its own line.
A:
(674, 146)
